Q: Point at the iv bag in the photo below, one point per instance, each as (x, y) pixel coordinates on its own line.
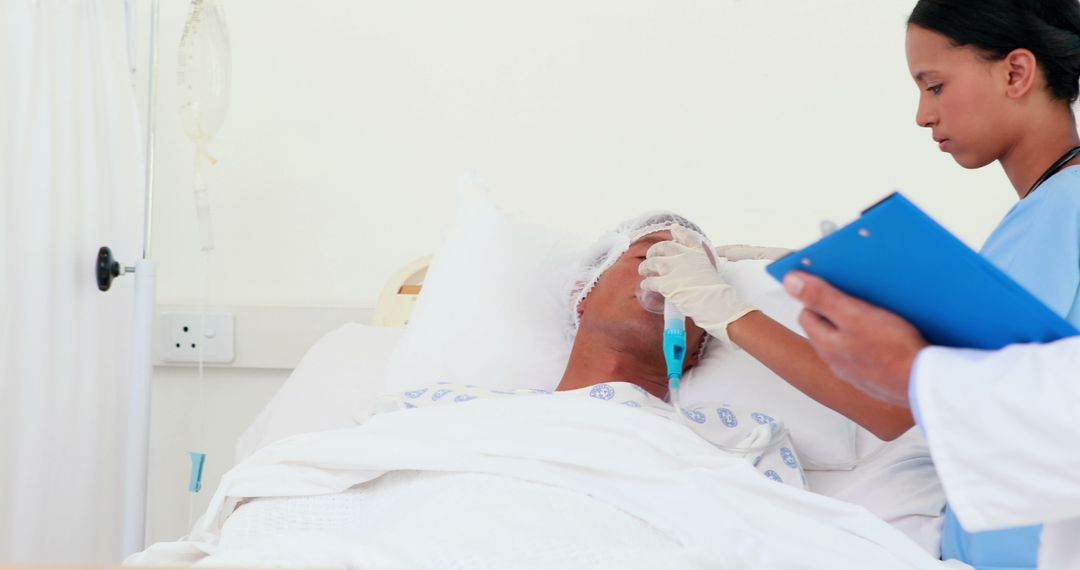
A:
(203, 72)
(203, 85)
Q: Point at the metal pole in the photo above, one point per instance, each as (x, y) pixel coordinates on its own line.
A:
(138, 425)
(151, 129)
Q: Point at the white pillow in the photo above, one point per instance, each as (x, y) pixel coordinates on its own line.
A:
(824, 438)
(493, 310)
(334, 386)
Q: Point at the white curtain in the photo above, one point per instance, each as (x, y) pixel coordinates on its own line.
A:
(70, 177)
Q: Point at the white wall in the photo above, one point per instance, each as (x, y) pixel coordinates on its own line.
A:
(351, 121)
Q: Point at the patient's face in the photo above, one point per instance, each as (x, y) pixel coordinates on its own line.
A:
(612, 309)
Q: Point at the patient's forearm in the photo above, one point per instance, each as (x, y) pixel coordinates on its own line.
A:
(792, 358)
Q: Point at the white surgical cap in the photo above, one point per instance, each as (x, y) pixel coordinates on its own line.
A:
(607, 250)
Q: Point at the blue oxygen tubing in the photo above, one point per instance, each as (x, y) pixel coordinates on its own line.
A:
(674, 351)
(675, 357)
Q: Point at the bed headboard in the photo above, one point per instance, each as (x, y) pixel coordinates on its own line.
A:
(399, 295)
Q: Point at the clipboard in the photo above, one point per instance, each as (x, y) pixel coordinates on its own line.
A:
(897, 257)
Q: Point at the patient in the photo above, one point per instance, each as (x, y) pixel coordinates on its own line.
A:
(616, 338)
(617, 355)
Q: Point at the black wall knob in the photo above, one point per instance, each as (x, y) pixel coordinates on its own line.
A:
(107, 268)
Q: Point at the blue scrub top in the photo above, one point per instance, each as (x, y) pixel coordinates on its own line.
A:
(1038, 245)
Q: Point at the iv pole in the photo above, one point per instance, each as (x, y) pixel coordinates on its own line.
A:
(136, 465)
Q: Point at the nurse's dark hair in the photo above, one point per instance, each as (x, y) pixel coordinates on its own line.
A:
(1050, 29)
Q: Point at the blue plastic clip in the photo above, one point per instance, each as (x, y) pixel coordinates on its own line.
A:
(197, 460)
(674, 342)
(674, 351)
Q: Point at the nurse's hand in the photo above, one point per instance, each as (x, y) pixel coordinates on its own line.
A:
(685, 272)
(865, 345)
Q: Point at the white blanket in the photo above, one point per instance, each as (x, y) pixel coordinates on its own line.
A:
(641, 473)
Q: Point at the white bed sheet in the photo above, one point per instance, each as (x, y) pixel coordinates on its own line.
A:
(372, 513)
(701, 508)
(896, 481)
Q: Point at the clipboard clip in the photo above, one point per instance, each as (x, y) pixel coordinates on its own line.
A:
(827, 227)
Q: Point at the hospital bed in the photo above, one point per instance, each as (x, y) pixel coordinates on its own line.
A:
(310, 424)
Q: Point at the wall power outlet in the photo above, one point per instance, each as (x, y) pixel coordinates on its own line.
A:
(183, 335)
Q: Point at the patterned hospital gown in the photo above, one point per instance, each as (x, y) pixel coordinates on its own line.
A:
(761, 439)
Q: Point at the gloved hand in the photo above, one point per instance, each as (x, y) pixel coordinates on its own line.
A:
(682, 272)
(743, 252)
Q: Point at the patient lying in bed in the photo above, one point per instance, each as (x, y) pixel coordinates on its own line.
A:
(600, 473)
(617, 358)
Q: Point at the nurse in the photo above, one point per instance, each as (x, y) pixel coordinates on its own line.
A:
(996, 81)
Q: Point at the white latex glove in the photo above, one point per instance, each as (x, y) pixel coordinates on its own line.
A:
(741, 252)
(682, 272)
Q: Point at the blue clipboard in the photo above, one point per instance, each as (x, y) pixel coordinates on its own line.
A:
(897, 257)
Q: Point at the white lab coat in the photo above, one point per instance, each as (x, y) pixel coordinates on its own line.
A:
(1004, 433)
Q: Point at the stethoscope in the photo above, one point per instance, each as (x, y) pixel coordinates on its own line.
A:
(1054, 168)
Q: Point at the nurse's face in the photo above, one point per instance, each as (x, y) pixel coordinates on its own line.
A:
(962, 98)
